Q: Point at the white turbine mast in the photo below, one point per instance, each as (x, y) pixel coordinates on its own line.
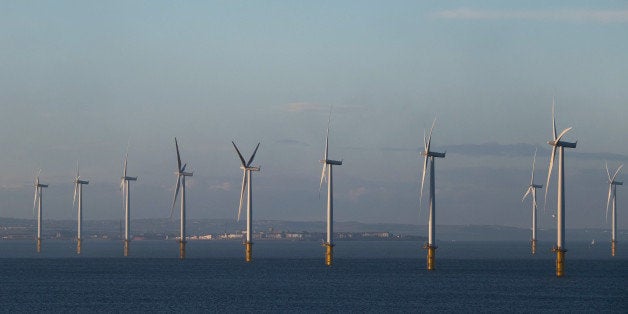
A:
(37, 203)
(126, 194)
(327, 174)
(430, 157)
(247, 181)
(557, 142)
(78, 191)
(532, 191)
(612, 197)
(181, 174)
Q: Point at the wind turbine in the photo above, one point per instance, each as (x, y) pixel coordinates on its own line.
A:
(37, 202)
(532, 191)
(126, 194)
(181, 174)
(430, 157)
(247, 181)
(328, 174)
(612, 195)
(78, 190)
(560, 208)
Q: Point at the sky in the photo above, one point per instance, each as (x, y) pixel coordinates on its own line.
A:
(81, 79)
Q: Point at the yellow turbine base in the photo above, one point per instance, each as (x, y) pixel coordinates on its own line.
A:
(329, 254)
(78, 246)
(38, 245)
(613, 244)
(431, 257)
(533, 244)
(248, 251)
(560, 261)
(181, 249)
(126, 247)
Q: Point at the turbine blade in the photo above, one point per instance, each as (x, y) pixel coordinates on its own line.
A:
(549, 175)
(126, 157)
(608, 201)
(242, 194)
(123, 189)
(75, 188)
(323, 177)
(184, 165)
(424, 140)
(176, 144)
(327, 135)
(239, 154)
(429, 138)
(533, 163)
(248, 164)
(35, 199)
(176, 193)
(423, 182)
(563, 133)
(554, 117)
(613, 180)
(527, 193)
(608, 172)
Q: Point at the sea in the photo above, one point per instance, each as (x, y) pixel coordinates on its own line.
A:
(367, 276)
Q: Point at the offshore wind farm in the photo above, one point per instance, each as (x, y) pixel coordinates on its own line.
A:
(78, 80)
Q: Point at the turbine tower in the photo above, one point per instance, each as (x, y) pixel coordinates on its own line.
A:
(430, 157)
(78, 190)
(181, 174)
(37, 202)
(126, 193)
(532, 191)
(560, 215)
(328, 174)
(247, 181)
(612, 196)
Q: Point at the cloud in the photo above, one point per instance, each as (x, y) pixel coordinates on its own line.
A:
(224, 186)
(355, 194)
(308, 106)
(522, 150)
(289, 141)
(566, 15)
(304, 106)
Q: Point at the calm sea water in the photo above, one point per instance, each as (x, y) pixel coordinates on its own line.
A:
(291, 277)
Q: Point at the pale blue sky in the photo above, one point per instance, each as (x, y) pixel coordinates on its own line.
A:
(78, 78)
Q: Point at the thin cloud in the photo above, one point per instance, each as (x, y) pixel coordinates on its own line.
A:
(355, 194)
(224, 186)
(308, 106)
(304, 106)
(574, 15)
(289, 141)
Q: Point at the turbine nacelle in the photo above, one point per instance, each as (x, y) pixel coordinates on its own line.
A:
(433, 154)
(563, 144)
(184, 174)
(251, 168)
(129, 178)
(331, 162)
(617, 183)
(77, 181)
(536, 186)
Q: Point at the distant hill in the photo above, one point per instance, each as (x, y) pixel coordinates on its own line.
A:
(161, 227)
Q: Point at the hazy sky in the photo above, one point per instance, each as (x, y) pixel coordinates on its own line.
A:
(79, 78)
